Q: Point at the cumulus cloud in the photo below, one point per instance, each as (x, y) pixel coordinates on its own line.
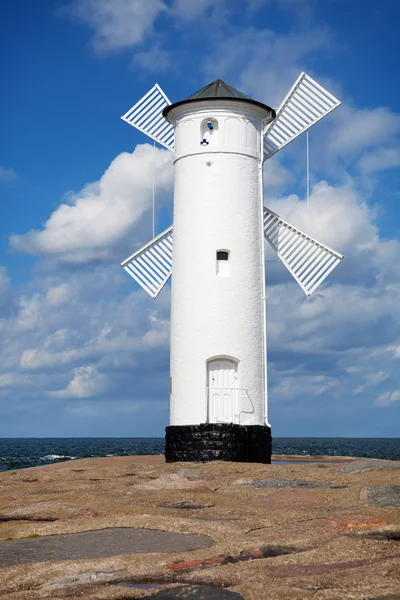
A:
(79, 338)
(7, 174)
(117, 24)
(92, 346)
(86, 382)
(380, 159)
(336, 344)
(265, 64)
(337, 216)
(290, 386)
(344, 338)
(102, 213)
(276, 176)
(262, 63)
(361, 129)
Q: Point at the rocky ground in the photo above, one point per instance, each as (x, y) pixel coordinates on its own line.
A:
(130, 527)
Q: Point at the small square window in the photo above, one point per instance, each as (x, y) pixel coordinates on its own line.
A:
(223, 265)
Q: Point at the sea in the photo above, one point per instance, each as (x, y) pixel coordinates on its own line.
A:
(20, 453)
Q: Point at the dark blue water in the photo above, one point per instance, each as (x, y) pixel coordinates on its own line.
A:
(19, 453)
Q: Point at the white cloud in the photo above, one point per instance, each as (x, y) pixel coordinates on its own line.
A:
(336, 344)
(265, 64)
(388, 398)
(276, 176)
(338, 216)
(155, 59)
(262, 63)
(361, 129)
(86, 383)
(42, 358)
(6, 380)
(117, 24)
(372, 379)
(7, 174)
(102, 213)
(344, 338)
(59, 294)
(121, 24)
(79, 334)
(380, 159)
(82, 339)
(66, 348)
(292, 386)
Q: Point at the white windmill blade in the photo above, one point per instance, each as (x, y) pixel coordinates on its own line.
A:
(309, 261)
(306, 103)
(151, 266)
(146, 115)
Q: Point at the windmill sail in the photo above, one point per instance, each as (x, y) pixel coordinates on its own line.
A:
(146, 115)
(306, 103)
(151, 266)
(309, 261)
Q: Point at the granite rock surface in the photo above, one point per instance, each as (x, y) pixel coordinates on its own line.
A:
(368, 464)
(386, 495)
(305, 533)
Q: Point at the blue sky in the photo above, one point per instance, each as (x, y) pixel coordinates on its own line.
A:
(84, 351)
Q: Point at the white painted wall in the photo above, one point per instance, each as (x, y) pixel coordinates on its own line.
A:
(217, 206)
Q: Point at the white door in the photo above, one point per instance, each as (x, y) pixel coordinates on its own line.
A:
(222, 383)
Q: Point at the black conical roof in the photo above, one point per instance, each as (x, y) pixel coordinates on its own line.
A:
(218, 90)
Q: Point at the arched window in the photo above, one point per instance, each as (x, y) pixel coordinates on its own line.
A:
(222, 255)
(209, 129)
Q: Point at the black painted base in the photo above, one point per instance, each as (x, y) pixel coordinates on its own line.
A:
(218, 441)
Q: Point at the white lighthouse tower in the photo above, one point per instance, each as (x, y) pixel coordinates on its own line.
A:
(218, 383)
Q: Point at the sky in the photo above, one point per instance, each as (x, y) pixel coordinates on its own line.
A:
(84, 351)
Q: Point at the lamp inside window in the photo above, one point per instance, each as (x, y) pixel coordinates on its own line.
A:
(208, 131)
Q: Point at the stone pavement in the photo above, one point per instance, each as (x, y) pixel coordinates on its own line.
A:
(96, 529)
